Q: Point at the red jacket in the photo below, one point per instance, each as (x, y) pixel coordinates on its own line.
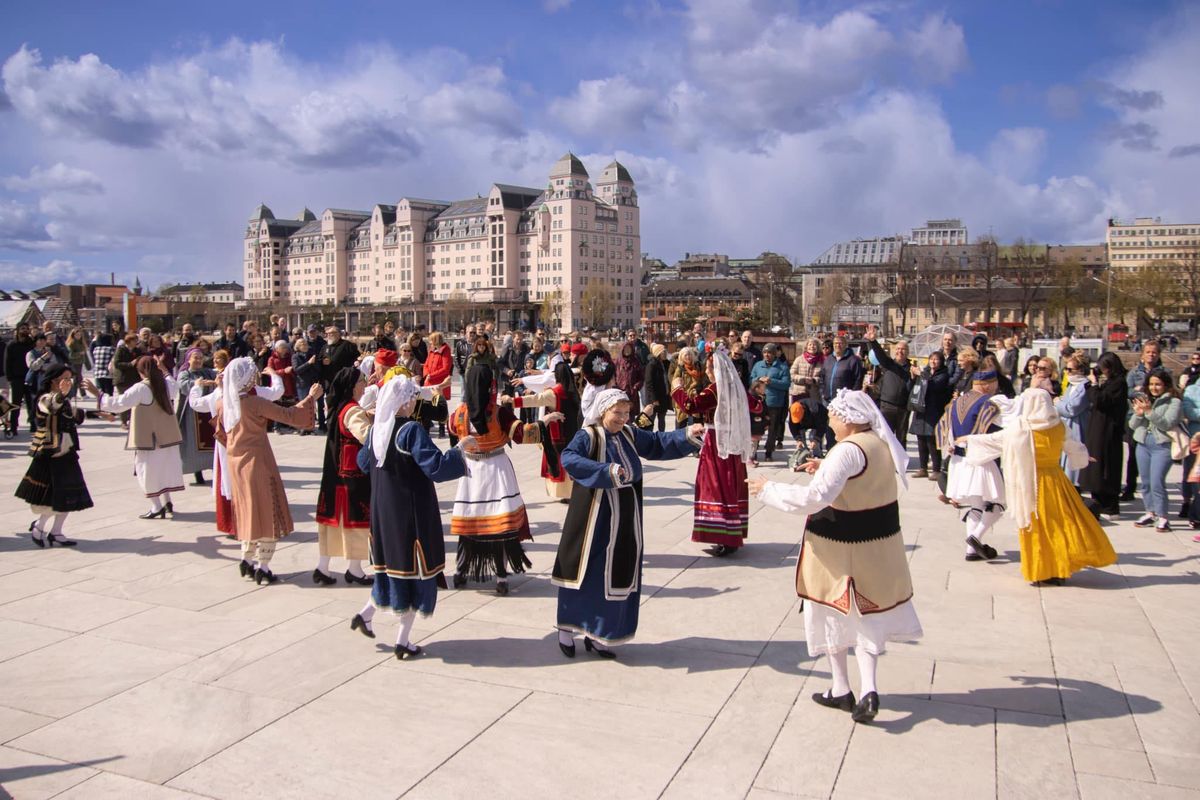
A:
(284, 367)
(437, 367)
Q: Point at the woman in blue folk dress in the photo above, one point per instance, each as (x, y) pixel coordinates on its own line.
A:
(599, 565)
(408, 551)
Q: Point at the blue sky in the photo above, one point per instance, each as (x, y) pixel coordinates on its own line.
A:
(137, 138)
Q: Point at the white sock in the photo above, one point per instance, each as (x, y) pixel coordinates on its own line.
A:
(59, 521)
(840, 671)
(323, 565)
(566, 639)
(406, 624)
(867, 664)
(156, 503)
(355, 566)
(166, 498)
(266, 549)
(368, 613)
(40, 528)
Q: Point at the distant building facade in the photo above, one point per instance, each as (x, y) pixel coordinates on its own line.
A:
(562, 243)
(1132, 246)
(940, 231)
(207, 292)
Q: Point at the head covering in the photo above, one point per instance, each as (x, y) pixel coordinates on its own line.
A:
(477, 391)
(984, 375)
(731, 421)
(341, 392)
(188, 355)
(386, 358)
(312, 326)
(239, 377)
(579, 349)
(598, 367)
(603, 402)
(657, 350)
(770, 347)
(367, 366)
(858, 408)
(392, 397)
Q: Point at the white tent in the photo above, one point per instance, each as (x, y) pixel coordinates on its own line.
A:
(925, 342)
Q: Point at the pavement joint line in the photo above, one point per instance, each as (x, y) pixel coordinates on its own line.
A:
(1058, 685)
(1133, 716)
(996, 753)
(529, 693)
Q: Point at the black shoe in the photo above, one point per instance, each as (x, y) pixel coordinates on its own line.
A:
(404, 651)
(984, 551)
(460, 580)
(247, 569)
(1127, 497)
(160, 514)
(321, 579)
(360, 624)
(170, 509)
(591, 647)
(843, 703)
(973, 557)
(58, 539)
(867, 708)
(568, 650)
(261, 575)
(199, 481)
(38, 540)
(719, 550)
(502, 588)
(365, 580)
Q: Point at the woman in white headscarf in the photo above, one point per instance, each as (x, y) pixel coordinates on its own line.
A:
(260, 504)
(408, 550)
(722, 507)
(598, 568)
(1058, 535)
(853, 569)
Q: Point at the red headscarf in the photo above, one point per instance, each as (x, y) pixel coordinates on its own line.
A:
(386, 358)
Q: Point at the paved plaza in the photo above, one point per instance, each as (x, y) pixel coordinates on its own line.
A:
(140, 665)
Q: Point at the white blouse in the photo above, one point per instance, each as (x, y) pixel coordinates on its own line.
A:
(137, 395)
(843, 462)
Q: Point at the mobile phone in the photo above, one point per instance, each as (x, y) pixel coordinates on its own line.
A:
(1141, 396)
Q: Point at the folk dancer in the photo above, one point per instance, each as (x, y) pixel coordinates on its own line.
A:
(853, 569)
(977, 489)
(195, 426)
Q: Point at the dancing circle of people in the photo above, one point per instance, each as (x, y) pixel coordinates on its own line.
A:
(378, 503)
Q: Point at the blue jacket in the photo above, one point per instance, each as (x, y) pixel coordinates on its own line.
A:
(1191, 407)
(841, 373)
(778, 383)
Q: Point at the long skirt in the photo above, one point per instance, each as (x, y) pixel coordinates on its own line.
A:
(339, 541)
(55, 484)
(222, 493)
(489, 519)
(158, 470)
(722, 512)
(1063, 537)
(585, 610)
(405, 594)
(197, 441)
(827, 630)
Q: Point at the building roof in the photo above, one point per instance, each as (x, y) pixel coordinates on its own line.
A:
(306, 215)
(310, 228)
(181, 288)
(283, 227)
(262, 212)
(616, 171)
(518, 197)
(699, 287)
(14, 312)
(347, 213)
(569, 164)
(472, 207)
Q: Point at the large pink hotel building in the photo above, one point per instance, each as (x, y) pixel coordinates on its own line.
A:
(512, 242)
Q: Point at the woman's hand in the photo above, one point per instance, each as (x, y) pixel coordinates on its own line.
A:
(469, 444)
(555, 416)
(755, 485)
(649, 409)
(315, 391)
(811, 466)
(696, 430)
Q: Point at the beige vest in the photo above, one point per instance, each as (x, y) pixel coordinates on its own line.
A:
(854, 555)
(151, 428)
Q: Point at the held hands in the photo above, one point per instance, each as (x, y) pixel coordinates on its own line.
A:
(315, 391)
(555, 416)
(504, 400)
(755, 485)
(696, 430)
(469, 444)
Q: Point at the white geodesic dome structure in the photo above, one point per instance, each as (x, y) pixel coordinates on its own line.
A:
(922, 343)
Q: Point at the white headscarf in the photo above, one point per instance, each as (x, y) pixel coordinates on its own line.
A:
(394, 395)
(858, 408)
(603, 401)
(237, 380)
(367, 367)
(1034, 412)
(732, 418)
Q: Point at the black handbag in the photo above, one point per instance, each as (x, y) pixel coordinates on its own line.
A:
(916, 396)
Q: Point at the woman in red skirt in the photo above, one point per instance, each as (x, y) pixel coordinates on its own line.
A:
(722, 512)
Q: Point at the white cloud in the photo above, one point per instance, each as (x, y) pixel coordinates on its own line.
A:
(57, 178)
(1017, 152)
(607, 104)
(24, 275)
(554, 6)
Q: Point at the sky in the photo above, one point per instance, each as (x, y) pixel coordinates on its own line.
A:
(137, 138)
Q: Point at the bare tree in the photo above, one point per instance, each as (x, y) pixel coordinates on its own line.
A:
(1064, 292)
(596, 304)
(552, 306)
(1024, 265)
(988, 271)
(831, 293)
(1188, 270)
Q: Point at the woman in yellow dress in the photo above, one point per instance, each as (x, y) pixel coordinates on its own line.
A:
(1058, 535)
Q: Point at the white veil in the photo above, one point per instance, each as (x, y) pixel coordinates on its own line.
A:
(732, 418)
(237, 380)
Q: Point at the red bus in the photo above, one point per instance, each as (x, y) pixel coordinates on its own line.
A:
(1118, 333)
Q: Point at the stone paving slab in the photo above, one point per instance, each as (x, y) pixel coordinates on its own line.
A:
(140, 665)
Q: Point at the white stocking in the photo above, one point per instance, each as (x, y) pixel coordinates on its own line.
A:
(867, 664)
(266, 549)
(355, 566)
(249, 550)
(156, 503)
(406, 624)
(565, 638)
(368, 613)
(166, 498)
(840, 670)
(41, 523)
(323, 566)
(59, 521)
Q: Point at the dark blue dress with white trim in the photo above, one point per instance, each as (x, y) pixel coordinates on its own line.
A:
(408, 550)
(599, 565)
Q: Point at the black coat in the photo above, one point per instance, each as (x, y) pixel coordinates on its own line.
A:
(657, 389)
(895, 383)
(14, 360)
(937, 397)
(341, 354)
(1107, 409)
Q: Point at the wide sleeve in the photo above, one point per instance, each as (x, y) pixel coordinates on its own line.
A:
(539, 381)
(699, 403)
(134, 396)
(984, 447)
(358, 422)
(437, 465)
(543, 399)
(844, 461)
(273, 392)
(664, 446)
(302, 415)
(589, 474)
(518, 432)
(207, 403)
(1076, 453)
